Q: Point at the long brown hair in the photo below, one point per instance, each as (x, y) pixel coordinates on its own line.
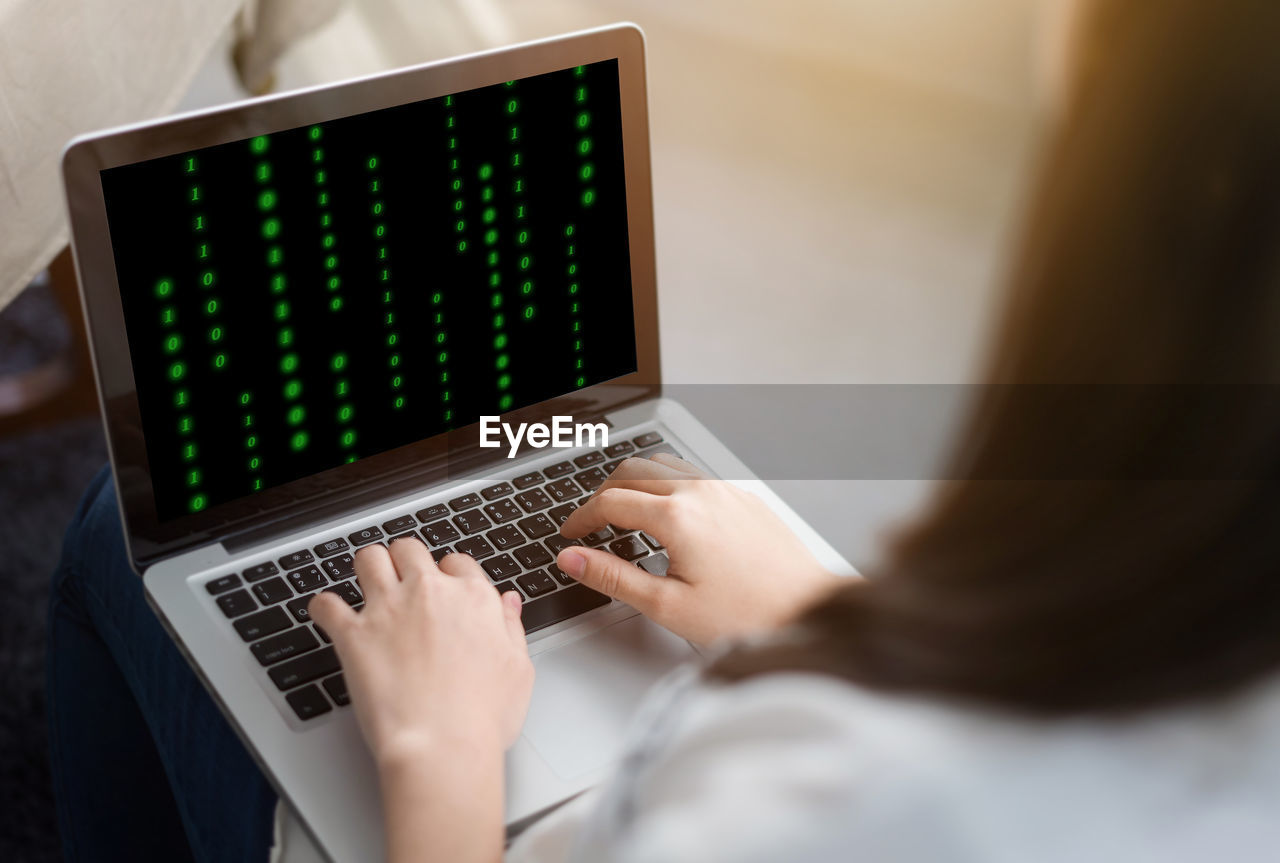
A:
(1109, 547)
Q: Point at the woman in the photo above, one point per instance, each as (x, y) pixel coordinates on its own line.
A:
(1070, 656)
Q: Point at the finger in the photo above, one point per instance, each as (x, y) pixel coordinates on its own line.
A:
(627, 507)
(613, 576)
(512, 606)
(331, 613)
(462, 566)
(375, 572)
(657, 477)
(410, 557)
(674, 461)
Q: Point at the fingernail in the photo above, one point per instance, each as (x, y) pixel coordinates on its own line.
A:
(572, 562)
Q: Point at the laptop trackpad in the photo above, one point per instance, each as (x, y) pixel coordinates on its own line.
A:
(587, 692)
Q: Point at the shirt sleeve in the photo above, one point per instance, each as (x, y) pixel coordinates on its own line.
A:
(756, 771)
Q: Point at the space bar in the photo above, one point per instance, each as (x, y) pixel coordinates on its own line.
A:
(561, 605)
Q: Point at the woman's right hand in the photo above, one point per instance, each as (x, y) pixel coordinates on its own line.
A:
(735, 568)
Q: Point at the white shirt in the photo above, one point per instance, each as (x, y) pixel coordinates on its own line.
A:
(802, 767)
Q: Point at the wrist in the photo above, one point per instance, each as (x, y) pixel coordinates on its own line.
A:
(410, 749)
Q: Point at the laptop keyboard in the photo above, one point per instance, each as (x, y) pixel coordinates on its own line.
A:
(511, 528)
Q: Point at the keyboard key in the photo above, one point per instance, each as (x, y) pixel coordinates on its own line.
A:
(662, 447)
(598, 538)
(273, 591)
(536, 583)
(332, 547)
(366, 536)
(504, 586)
(533, 556)
(472, 521)
(588, 459)
(324, 636)
(562, 490)
(505, 538)
(347, 590)
(297, 559)
(259, 572)
(621, 448)
(537, 526)
(298, 608)
(647, 439)
(560, 605)
(558, 543)
(336, 686)
(629, 548)
(305, 668)
(650, 541)
(339, 568)
(525, 480)
(399, 525)
(610, 466)
(496, 491)
(501, 567)
(439, 554)
(590, 480)
(467, 501)
(558, 470)
(533, 500)
(561, 514)
(476, 546)
(657, 564)
(236, 604)
(560, 575)
(502, 511)
(308, 703)
(262, 624)
(306, 580)
(440, 532)
(285, 645)
(223, 584)
(431, 513)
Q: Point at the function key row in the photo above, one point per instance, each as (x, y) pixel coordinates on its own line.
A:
(432, 513)
(400, 525)
(467, 501)
(494, 492)
(526, 480)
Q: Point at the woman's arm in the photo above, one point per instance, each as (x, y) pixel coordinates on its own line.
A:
(440, 678)
(443, 801)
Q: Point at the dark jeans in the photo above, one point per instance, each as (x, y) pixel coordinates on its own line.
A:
(144, 765)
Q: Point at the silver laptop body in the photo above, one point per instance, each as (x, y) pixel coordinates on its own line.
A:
(219, 562)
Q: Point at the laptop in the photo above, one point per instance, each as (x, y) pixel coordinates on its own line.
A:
(310, 316)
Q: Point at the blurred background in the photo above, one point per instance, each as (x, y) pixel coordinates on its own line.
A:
(835, 184)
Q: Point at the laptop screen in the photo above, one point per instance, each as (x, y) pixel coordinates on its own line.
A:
(304, 299)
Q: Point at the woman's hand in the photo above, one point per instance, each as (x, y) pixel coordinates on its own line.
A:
(435, 658)
(736, 569)
(439, 675)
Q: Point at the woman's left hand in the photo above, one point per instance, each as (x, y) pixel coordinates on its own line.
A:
(436, 658)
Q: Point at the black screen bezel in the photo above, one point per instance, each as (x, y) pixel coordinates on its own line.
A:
(427, 461)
